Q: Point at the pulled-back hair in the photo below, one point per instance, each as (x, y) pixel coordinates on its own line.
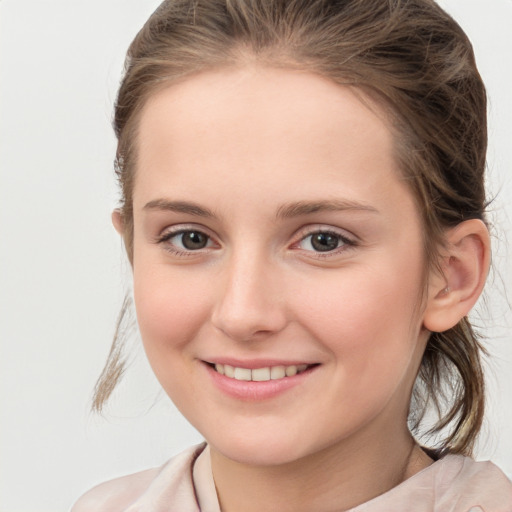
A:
(409, 54)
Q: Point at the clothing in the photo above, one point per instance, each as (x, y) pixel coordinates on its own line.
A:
(185, 484)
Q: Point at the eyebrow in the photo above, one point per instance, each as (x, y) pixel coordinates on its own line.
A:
(308, 207)
(286, 211)
(179, 207)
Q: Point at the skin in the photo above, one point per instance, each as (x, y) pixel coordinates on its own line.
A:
(238, 147)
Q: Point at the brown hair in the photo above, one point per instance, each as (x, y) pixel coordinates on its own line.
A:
(418, 61)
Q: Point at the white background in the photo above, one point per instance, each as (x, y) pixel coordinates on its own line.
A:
(62, 269)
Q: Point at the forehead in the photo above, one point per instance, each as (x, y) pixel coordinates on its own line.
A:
(263, 128)
(250, 96)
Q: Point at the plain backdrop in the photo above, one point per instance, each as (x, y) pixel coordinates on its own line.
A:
(63, 274)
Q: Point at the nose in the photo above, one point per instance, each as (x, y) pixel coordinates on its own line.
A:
(250, 304)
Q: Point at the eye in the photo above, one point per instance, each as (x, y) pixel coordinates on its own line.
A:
(193, 240)
(324, 241)
(186, 240)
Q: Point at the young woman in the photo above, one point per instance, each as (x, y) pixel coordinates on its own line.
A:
(303, 208)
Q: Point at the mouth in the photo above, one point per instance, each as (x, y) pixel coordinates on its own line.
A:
(264, 374)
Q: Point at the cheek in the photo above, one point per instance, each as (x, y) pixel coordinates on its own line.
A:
(368, 320)
(170, 308)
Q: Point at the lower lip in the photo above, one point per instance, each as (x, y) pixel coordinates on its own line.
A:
(256, 391)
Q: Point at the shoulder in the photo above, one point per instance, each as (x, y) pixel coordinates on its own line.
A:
(470, 484)
(120, 494)
(117, 494)
(452, 484)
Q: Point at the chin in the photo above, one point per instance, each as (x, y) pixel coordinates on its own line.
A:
(258, 455)
(262, 449)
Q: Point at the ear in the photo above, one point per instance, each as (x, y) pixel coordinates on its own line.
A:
(117, 221)
(465, 264)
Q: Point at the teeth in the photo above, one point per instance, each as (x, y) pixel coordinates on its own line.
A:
(242, 374)
(229, 371)
(260, 374)
(291, 371)
(277, 372)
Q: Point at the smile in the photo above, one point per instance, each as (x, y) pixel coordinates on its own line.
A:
(259, 374)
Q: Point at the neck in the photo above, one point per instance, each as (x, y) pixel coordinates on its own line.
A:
(338, 478)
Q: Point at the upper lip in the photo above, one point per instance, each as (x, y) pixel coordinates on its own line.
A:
(251, 364)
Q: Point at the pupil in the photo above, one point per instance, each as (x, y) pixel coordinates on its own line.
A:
(324, 242)
(194, 240)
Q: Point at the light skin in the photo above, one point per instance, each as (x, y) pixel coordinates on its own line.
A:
(305, 246)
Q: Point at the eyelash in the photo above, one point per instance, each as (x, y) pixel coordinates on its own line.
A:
(167, 236)
(346, 242)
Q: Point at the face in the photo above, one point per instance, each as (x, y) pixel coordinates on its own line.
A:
(277, 262)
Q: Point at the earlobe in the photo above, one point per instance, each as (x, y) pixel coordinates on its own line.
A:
(465, 264)
(117, 221)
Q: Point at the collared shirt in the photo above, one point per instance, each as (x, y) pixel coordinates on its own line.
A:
(185, 484)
